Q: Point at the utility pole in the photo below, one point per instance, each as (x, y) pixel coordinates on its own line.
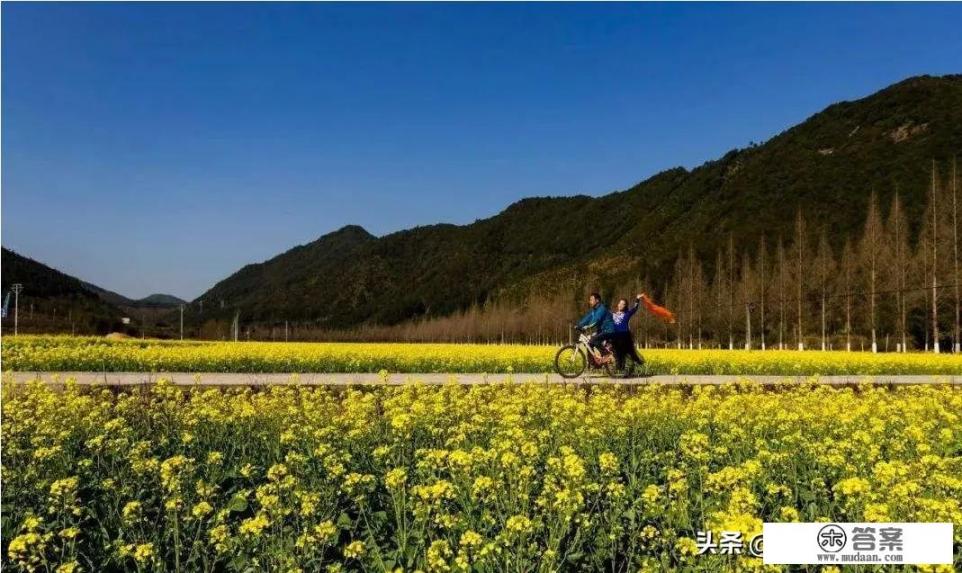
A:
(285, 331)
(16, 288)
(181, 322)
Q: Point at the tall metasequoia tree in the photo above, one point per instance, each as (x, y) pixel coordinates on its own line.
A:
(683, 288)
(692, 294)
(699, 297)
(748, 285)
(935, 262)
(644, 317)
(799, 248)
(899, 230)
(956, 278)
(848, 265)
(824, 270)
(762, 278)
(926, 269)
(731, 291)
(870, 249)
(669, 302)
(780, 257)
(719, 286)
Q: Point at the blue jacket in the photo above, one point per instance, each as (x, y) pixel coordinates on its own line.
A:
(620, 319)
(599, 317)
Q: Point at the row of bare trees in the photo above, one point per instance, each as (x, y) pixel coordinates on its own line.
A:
(887, 289)
(540, 320)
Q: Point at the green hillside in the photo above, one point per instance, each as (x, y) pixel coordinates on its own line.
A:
(827, 166)
(52, 301)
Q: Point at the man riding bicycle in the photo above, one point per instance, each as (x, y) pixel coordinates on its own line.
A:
(599, 317)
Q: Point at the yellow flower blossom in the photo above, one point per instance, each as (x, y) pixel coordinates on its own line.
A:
(354, 550)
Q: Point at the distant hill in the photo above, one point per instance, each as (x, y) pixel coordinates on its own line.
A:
(160, 301)
(827, 166)
(151, 301)
(52, 301)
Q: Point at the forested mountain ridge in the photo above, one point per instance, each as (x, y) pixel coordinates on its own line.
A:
(52, 301)
(826, 167)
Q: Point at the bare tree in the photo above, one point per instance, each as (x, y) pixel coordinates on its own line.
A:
(900, 251)
(731, 291)
(719, 286)
(926, 268)
(848, 264)
(935, 263)
(799, 246)
(825, 271)
(762, 278)
(957, 346)
(748, 286)
(682, 287)
(668, 301)
(644, 318)
(699, 297)
(871, 247)
(691, 295)
(780, 257)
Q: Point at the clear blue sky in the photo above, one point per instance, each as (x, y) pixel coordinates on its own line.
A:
(158, 148)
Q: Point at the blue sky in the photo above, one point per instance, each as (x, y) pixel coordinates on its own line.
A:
(158, 148)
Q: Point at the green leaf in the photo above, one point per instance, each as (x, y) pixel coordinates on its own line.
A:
(238, 503)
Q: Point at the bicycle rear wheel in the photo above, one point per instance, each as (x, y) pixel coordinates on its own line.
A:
(570, 361)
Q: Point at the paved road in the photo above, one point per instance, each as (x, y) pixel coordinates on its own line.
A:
(344, 379)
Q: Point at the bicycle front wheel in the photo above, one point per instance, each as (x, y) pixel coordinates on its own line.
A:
(570, 361)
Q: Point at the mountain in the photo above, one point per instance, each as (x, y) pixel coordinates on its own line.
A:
(826, 166)
(52, 301)
(157, 301)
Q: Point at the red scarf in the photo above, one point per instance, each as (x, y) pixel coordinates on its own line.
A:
(659, 311)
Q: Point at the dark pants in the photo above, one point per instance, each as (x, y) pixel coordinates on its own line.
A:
(598, 340)
(624, 346)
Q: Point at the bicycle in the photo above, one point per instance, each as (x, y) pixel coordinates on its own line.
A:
(572, 360)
